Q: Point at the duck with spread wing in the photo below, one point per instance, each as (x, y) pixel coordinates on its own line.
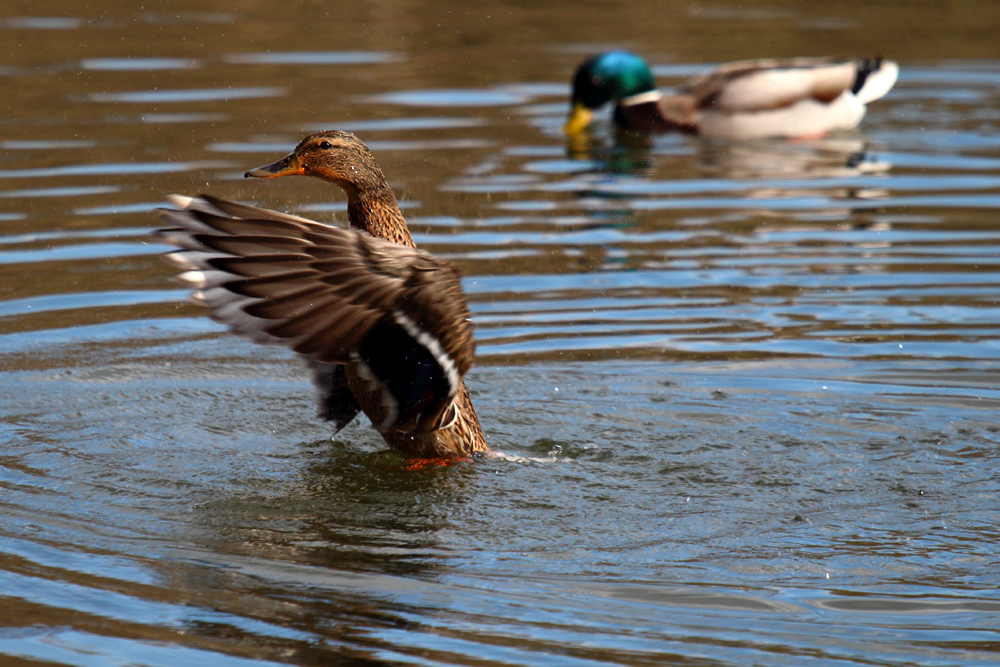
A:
(383, 326)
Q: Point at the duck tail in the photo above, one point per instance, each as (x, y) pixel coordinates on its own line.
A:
(876, 77)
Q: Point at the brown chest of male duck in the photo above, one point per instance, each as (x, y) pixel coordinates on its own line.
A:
(383, 326)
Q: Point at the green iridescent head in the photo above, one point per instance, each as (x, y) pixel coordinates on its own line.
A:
(605, 78)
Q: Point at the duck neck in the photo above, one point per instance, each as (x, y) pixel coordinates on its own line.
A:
(377, 212)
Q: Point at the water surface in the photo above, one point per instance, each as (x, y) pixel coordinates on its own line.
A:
(748, 391)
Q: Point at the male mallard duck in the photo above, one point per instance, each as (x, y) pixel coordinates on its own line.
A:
(742, 100)
(383, 326)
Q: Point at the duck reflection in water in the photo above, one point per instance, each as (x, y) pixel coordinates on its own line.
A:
(325, 550)
(627, 152)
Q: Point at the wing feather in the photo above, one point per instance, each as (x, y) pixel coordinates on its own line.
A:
(757, 85)
(334, 296)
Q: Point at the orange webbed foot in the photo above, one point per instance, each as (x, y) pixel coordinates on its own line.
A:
(439, 461)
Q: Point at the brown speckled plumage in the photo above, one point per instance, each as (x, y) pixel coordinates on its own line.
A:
(383, 326)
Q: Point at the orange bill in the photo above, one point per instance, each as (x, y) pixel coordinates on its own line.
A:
(286, 166)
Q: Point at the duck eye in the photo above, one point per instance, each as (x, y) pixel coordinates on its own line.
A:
(325, 145)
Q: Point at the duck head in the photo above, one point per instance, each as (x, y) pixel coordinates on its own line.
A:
(338, 157)
(604, 78)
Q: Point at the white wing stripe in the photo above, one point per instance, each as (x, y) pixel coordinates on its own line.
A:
(433, 346)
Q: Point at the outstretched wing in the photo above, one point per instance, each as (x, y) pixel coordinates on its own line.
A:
(334, 296)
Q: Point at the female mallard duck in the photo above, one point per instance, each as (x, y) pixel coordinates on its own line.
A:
(742, 100)
(383, 326)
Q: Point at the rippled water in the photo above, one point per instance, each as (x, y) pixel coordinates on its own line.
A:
(749, 391)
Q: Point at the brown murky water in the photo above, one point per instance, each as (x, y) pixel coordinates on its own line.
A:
(751, 388)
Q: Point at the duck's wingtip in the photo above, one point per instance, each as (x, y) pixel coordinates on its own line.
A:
(180, 201)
